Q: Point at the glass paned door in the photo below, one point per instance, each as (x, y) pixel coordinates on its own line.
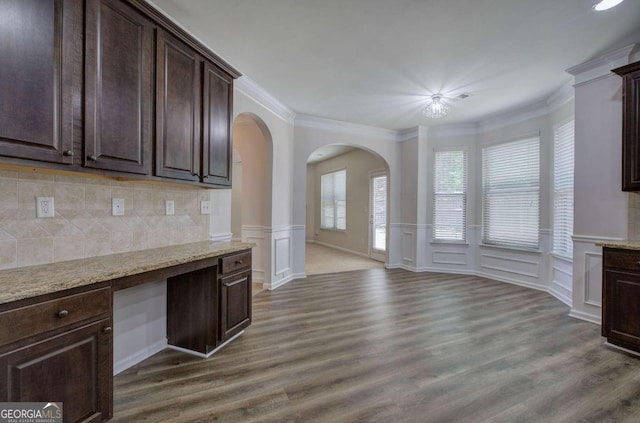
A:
(378, 217)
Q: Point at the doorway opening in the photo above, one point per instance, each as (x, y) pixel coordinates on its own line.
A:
(251, 191)
(346, 210)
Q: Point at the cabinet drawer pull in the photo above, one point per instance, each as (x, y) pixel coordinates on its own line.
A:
(108, 329)
(638, 262)
(240, 262)
(68, 153)
(63, 313)
(92, 158)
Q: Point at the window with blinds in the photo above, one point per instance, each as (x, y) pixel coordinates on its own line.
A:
(333, 214)
(563, 141)
(450, 196)
(511, 193)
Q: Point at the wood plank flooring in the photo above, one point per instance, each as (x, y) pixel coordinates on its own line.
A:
(393, 346)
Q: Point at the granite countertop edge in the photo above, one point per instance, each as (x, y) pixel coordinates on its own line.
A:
(623, 244)
(26, 282)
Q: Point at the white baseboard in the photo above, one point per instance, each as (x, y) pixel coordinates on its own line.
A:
(310, 241)
(299, 276)
(513, 281)
(202, 355)
(560, 296)
(139, 356)
(588, 317)
(344, 250)
(608, 344)
(279, 283)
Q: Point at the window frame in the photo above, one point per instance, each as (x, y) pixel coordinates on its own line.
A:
(334, 201)
(565, 254)
(465, 196)
(523, 189)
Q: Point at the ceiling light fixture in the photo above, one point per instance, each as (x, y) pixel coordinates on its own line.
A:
(606, 4)
(436, 109)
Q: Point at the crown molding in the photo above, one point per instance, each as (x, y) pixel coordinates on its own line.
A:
(409, 133)
(313, 122)
(531, 111)
(455, 130)
(601, 66)
(251, 89)
(561, 97)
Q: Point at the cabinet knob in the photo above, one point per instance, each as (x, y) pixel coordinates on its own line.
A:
(194, 173)
(92, 158)
(68, 153)
(240, 262)
(108, 329)
(63, 313)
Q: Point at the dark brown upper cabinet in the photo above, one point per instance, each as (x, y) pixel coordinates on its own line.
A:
(178, 109)
(630, 126)
(216, 126)
(118, 88)
(36, 80)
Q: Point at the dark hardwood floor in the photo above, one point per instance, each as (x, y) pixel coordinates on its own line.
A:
(393, 346)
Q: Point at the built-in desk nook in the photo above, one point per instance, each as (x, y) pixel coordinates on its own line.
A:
(56, 320)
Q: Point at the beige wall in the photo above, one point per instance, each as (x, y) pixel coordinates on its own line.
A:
(83, 225)
(359, 164)
(250, 143)
(310, 224)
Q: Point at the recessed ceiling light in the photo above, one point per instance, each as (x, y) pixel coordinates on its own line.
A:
(606, 4)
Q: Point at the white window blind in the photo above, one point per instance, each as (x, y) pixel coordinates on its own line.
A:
(334, 200)
(511, 193)
(450, 196)
(563, 189)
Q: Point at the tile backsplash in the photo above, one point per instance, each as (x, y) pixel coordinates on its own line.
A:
(83, 225)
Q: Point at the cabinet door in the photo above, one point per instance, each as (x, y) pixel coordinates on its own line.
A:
(192, 311)
(118, 69)
(235, 308)
(178, 109)
(621, 309)
(37, 51)
(216, 126)
(631, 131)
(74, 368)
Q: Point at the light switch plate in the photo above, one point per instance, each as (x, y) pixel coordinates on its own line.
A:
(170, 207)
(205, 207)
(45, 207)
(117, 206)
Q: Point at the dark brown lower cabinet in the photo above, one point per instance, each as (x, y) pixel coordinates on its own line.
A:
(192, 310)
(621, 298)
(235, 304)
(73, 367)
(207, 307)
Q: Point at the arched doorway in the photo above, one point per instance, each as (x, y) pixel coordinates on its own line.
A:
(251, 189)
(347, 209)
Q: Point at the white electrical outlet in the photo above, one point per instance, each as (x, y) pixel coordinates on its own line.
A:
(205, 207)
(117, 206)
(45, 207)
(170, 207)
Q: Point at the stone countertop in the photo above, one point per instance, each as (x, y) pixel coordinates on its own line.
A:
(26, 282)
(623, 244)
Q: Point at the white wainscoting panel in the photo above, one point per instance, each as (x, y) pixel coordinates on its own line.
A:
(408, 245)
(593, 279)
(510, 264)
(457, 258)
(255, 234)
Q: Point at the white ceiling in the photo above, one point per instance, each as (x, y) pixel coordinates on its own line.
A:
(375, 62)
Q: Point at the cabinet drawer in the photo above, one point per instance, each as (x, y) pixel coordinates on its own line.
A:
(618, 260)
(235, 262)
(38, 318)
